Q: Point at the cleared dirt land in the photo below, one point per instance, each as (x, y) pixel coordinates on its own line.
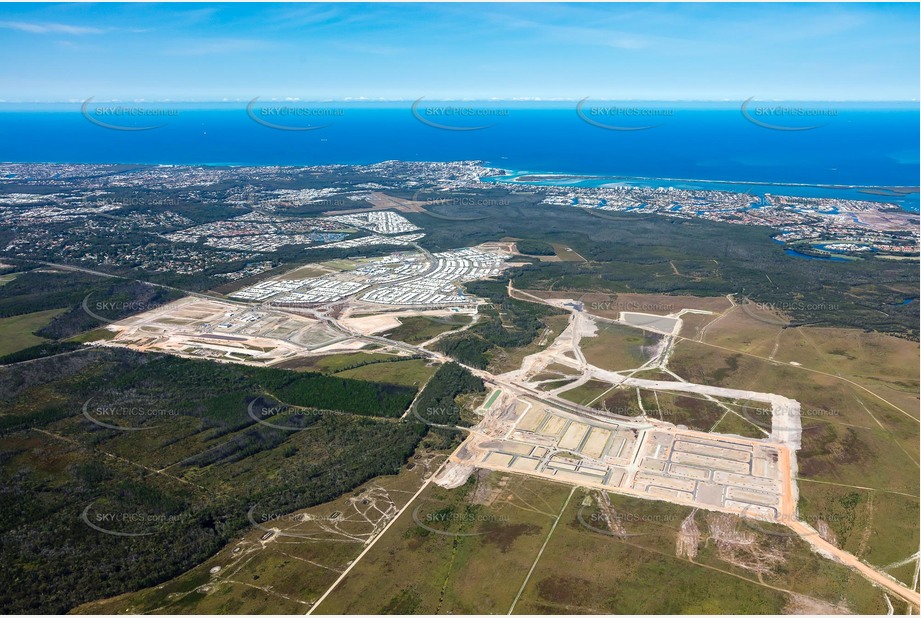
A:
(406, 322)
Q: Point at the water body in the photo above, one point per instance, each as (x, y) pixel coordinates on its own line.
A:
(826, 247)
(694, 147)
(826, 258)
(906, 201)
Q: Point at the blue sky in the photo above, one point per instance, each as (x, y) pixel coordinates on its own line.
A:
(212, 52)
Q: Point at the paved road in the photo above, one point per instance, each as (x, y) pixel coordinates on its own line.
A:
(805, 531)
(788, 507)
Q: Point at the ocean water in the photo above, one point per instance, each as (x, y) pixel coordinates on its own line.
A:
(869, 146)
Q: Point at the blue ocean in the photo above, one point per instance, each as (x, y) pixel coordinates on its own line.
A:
(858, 145)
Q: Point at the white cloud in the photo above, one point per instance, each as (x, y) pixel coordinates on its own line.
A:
(48, 28)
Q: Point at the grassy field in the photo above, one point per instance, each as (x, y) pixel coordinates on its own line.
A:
(610, 305)
(560, 368)
(693, 325)
(457, 551)
(507, 359)
(304, 272)
(653, 374)
(472, 549)
(583, 570)
(285, 573)
(885, 365)
(849, 435)
(413, 372)
(18, 332)
(693, 411)
(555, 384)
(547, 375)
(566, 254)
(340, 265)
(868, 391)
(859, 397)
(7, 278)
(586, 393)
(733, 424)
(617, 347)
(98, 334)
(331, 363)
(856, 515)
(623, 401)
(416, 329)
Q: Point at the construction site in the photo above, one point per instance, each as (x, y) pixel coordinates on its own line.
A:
(405, 278)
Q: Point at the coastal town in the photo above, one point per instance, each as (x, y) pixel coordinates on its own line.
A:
(822, 225)
(192, 224)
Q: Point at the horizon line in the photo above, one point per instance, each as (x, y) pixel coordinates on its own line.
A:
(365, 100)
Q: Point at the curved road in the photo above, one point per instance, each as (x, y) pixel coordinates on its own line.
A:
(806, 532)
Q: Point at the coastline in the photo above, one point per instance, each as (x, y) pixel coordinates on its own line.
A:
(903, 197)
(906, 198)
(518, 174)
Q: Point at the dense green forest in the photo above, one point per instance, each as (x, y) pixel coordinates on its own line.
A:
(696, 257)
(214, 459)
(507, 323)
(437, 403)
(196, 444)
(109, 298)
(50, 348)
(534, 247)
(634, 254)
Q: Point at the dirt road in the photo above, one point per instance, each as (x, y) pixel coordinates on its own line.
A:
(839, 555)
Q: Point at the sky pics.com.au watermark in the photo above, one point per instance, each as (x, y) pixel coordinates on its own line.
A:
(821, 525)
(448, 116)
(124, 412)
(441, 417)
(153, 201)
(773, 313)
(135, 116)
(786, 117)
(763, 417)
(293, 115)
(108, 310)
(284, 417)
(623, 116)
(620, 524)
(125, 523)
(664, 414)
(427, 199)
(630, 305)
(469, 522)
(282, 524)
